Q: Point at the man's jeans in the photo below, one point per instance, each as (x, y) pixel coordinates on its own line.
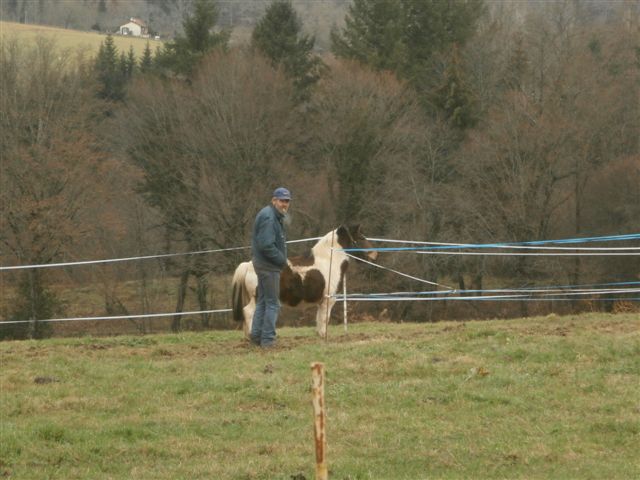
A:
(263, 328)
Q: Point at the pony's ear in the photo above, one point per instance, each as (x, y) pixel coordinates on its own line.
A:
(344, 238)
(356, 228)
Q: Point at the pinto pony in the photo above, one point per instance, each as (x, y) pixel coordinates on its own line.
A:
(313, 278)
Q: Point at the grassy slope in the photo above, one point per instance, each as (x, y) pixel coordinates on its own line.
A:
(66, 38)
(553, 397)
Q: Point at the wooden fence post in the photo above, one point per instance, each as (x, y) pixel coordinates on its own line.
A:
(319, 415)
(344, 302)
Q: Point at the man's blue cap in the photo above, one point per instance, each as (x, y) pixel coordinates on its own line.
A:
(282, 193)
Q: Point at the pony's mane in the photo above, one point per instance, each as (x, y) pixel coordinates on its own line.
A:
(328, 241)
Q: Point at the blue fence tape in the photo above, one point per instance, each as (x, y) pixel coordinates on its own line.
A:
(568, 288)
(490, 299)
(608, 238)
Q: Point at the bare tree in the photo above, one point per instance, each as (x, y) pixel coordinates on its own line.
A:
(211, 152)
(512, 173)
(364, 126)
(48, 157)
(562, 109)
(599, 94)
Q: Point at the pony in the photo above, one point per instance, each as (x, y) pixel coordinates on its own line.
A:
(313, 278)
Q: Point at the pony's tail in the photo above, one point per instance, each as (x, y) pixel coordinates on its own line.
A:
(237, 297)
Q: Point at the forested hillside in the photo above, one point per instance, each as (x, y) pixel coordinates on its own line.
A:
(164, 17)
(469, 122)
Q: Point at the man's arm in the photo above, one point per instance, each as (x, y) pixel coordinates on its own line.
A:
(266, 242)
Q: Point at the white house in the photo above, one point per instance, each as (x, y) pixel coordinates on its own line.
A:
(135, 27)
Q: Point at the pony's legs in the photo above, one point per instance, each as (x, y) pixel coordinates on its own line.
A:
(323, 315)
(247, 312)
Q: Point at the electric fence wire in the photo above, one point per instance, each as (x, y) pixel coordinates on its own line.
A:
(449, 294)
(118, 317)
(529, 244)
(530, 294)
(128, 259)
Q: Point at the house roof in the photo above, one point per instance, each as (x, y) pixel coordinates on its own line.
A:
(137, 21)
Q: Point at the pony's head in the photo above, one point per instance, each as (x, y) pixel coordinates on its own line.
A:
(350, 236)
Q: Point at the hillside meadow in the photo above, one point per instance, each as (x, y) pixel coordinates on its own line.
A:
(543, 397)
(72, 39)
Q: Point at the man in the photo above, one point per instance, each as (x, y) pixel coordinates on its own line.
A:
(269, 257)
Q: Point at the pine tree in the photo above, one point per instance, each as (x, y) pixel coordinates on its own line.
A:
(432, 27)
(454, 97)
(131, 62)
(122, 65)
(183, 54)
(278, 35)
(109, 71)
(373, 34)
(404, 35)
(146, 62)
(198, 27)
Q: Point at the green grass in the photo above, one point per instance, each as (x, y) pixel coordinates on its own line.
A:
(546, 397)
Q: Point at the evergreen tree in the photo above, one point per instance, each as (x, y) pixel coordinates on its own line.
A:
(197, 27)
(404, 35)
(373, 34)
(431, 27)
(131, 62)
(454, 97)
(109, 71)
(122, 65)
(278, 35)
(182, 55)
(146, 62)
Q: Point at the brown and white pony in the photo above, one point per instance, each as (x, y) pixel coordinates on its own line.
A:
(313, 279)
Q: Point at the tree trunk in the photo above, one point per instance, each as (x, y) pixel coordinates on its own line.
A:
(202, 290)
(461, 284)
(476, 283)
(521, 273)
(575, 277)
(182, 294)
(33, 303)
(144, 295)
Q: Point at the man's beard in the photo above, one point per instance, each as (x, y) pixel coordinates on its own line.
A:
(286, 219)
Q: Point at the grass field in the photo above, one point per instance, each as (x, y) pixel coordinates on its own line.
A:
(66, 38)
(546, 397)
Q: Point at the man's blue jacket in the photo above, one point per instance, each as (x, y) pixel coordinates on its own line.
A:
(268, 244)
